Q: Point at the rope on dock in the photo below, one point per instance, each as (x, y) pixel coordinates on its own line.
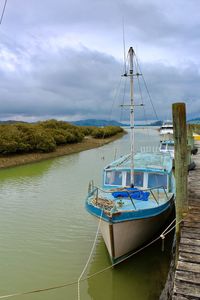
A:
(167, 230)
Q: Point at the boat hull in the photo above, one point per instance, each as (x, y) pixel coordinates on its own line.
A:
(124, 237)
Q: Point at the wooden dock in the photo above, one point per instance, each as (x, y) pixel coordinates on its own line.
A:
(187, 273)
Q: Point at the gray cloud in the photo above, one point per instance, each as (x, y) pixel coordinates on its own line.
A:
(61, 59)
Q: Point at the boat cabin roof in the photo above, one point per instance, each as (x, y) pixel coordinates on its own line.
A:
(160, 162)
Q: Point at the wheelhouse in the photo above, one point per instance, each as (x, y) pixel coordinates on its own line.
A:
(142, 179)
(149, 175)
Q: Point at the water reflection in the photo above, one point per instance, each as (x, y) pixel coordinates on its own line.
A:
(46, 234)
(37, 169)
(140, 277)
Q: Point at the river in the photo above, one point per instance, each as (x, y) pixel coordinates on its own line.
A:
(46, 235)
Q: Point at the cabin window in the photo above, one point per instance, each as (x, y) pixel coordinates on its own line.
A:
(156, 180)
(113, 178)
(138, 178)
(163, 146)
(170, 147)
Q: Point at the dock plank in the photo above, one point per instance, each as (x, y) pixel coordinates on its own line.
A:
(181, 297)
(193, 218)
(186, 288)
(190, 235)
(188, 276)
(189, 229)
(191, 224)
(188, 241)
(194, 210)
(187, 273)
(189, 257)
(188, 266)
(189, 248)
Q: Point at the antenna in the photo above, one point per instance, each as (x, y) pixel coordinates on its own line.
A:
(124, 48)
(3, 11)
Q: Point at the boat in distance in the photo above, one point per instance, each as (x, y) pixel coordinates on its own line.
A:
(166, 128)
(136, 197)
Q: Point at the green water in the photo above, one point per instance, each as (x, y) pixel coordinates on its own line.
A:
(46, 235)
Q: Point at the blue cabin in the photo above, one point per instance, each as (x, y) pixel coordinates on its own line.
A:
(150, 170)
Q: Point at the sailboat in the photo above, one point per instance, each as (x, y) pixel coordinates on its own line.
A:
(137, 195)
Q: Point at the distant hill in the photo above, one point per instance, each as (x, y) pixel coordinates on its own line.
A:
(194, 121)
(97, 123)
(11, 122)
(156, 123)
(87, 122)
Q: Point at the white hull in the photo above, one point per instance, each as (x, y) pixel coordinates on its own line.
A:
(124, 237)
(166, 131)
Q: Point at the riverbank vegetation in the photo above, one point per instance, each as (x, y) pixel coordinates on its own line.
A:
(195, 128)
(46, 136)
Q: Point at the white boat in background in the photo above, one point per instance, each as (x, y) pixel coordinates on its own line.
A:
(166, 128)
(167, 146)
(137, 195)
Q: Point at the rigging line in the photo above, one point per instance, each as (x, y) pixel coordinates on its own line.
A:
(147, 89)
(123, 99)
(141, 96)
(91, 252)
(116, 94)
(94, 274)
(3, 11)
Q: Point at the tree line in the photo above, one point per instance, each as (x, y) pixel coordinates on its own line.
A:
(45, 136)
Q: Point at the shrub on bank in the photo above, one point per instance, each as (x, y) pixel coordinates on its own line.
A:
(24, 138)
(45, 136)
(106, 131)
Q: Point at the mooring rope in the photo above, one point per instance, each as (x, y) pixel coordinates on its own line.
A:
(162, 235)
(91, 252)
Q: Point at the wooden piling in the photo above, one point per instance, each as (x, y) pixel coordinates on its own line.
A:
(181, 162)
(190, 136)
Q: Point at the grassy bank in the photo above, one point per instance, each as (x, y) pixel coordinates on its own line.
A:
(87, 143)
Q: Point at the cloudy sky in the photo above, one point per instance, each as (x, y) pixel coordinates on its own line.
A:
(64, 59)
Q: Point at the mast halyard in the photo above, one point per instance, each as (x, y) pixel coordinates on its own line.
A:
(131, 53)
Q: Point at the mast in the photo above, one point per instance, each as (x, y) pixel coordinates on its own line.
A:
(131, 53)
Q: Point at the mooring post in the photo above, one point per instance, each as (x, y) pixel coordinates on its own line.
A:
(181, 163)
(190, 136)
(189, 149)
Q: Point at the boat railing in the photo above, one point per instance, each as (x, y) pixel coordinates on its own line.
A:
(90, 186)
(99, 193)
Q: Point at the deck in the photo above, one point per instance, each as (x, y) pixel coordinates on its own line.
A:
(187, 274)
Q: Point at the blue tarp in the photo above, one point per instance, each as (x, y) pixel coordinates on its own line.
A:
(134, 193)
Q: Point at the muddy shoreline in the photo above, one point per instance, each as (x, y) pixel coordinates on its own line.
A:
(8, 161)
